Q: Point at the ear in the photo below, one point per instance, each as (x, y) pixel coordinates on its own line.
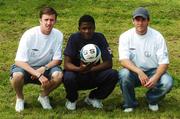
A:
(133, 21)
(39, 20)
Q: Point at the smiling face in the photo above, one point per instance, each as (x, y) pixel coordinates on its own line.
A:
(47, 23)
(141, 25)
(87, 29)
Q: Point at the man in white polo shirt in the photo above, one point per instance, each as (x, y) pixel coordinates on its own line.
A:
(38, 58)
(144, 57)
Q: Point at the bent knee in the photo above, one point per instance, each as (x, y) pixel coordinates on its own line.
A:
(17, 76)
(123, 75)
(167, 82)
(57, 76)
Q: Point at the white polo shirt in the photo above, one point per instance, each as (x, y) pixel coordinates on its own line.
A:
(38, 49)
(145, 51)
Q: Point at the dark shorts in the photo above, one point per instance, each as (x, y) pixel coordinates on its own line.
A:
(27, 76)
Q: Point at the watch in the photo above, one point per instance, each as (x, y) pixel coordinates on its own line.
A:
(46, 67)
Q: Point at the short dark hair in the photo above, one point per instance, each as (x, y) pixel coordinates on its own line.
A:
(47, 10)
(86, 18)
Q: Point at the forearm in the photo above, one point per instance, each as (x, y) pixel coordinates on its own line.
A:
(162, 68)
(54, 63)
(102, 66)
(129, 65)
(28, 68)
(71, 67)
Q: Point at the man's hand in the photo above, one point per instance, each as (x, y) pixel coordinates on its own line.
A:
(84, 68)
(40, 70)
(151, 82)
(44, 81)
(143, 78)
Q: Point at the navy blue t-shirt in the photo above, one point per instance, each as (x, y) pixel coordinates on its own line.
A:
(76, 42)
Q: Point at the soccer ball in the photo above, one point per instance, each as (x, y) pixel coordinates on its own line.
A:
(90, 53)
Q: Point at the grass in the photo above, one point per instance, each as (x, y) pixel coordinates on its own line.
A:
(112, 18)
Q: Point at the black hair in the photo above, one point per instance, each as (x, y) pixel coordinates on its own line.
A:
(86, 18)
(47, 10)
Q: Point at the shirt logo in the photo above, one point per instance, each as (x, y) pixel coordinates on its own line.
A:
(147, 54)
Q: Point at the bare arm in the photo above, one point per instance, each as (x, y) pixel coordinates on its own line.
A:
(54, 63)
(49, 65)
(37, 73)
(68, 65)
(105, 65)
(129, 65)
(162, 68)
(28, 68)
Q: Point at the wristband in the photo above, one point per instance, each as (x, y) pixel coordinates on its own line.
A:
(40, 76)
(46, 67)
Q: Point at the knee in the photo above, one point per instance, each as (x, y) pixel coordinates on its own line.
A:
(167, 82)
(123, 76)
(69, 77)
(57, 76)
(17, 76)
(113, 73)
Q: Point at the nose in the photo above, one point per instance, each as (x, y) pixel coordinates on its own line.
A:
(49, 21)
(86, 30)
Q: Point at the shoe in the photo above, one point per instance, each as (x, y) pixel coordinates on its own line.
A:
(70, 105)
(128, 109)
(154, 107)
(19, 105)
(45, 102)
(94, 102)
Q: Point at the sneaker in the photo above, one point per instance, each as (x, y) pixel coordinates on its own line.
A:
(128, 109)
(44, 102)
(70, 105)
(94, 102)
(19, 105)
(154, 107)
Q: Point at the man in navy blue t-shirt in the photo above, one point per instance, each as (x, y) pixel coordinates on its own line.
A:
(78, 76)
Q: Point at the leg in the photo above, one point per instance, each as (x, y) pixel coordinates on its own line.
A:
(105, 82)
(157, 93)
(56, 79)
(71, 86)
(128, 81)
(17, 83)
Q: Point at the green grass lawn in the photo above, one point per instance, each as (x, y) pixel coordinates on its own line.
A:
(112, 17)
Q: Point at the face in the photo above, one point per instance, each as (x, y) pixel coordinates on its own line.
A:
(141, 25)
(46, 23)
(87, 29)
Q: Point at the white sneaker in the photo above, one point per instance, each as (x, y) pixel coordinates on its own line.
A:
(19, 105)
(128, 109)
(154, 107)
(70, 105)
(94, 102)
(44, 102)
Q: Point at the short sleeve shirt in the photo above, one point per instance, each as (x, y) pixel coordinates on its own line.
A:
(38, 49)
(145, 51)
(76, 42)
